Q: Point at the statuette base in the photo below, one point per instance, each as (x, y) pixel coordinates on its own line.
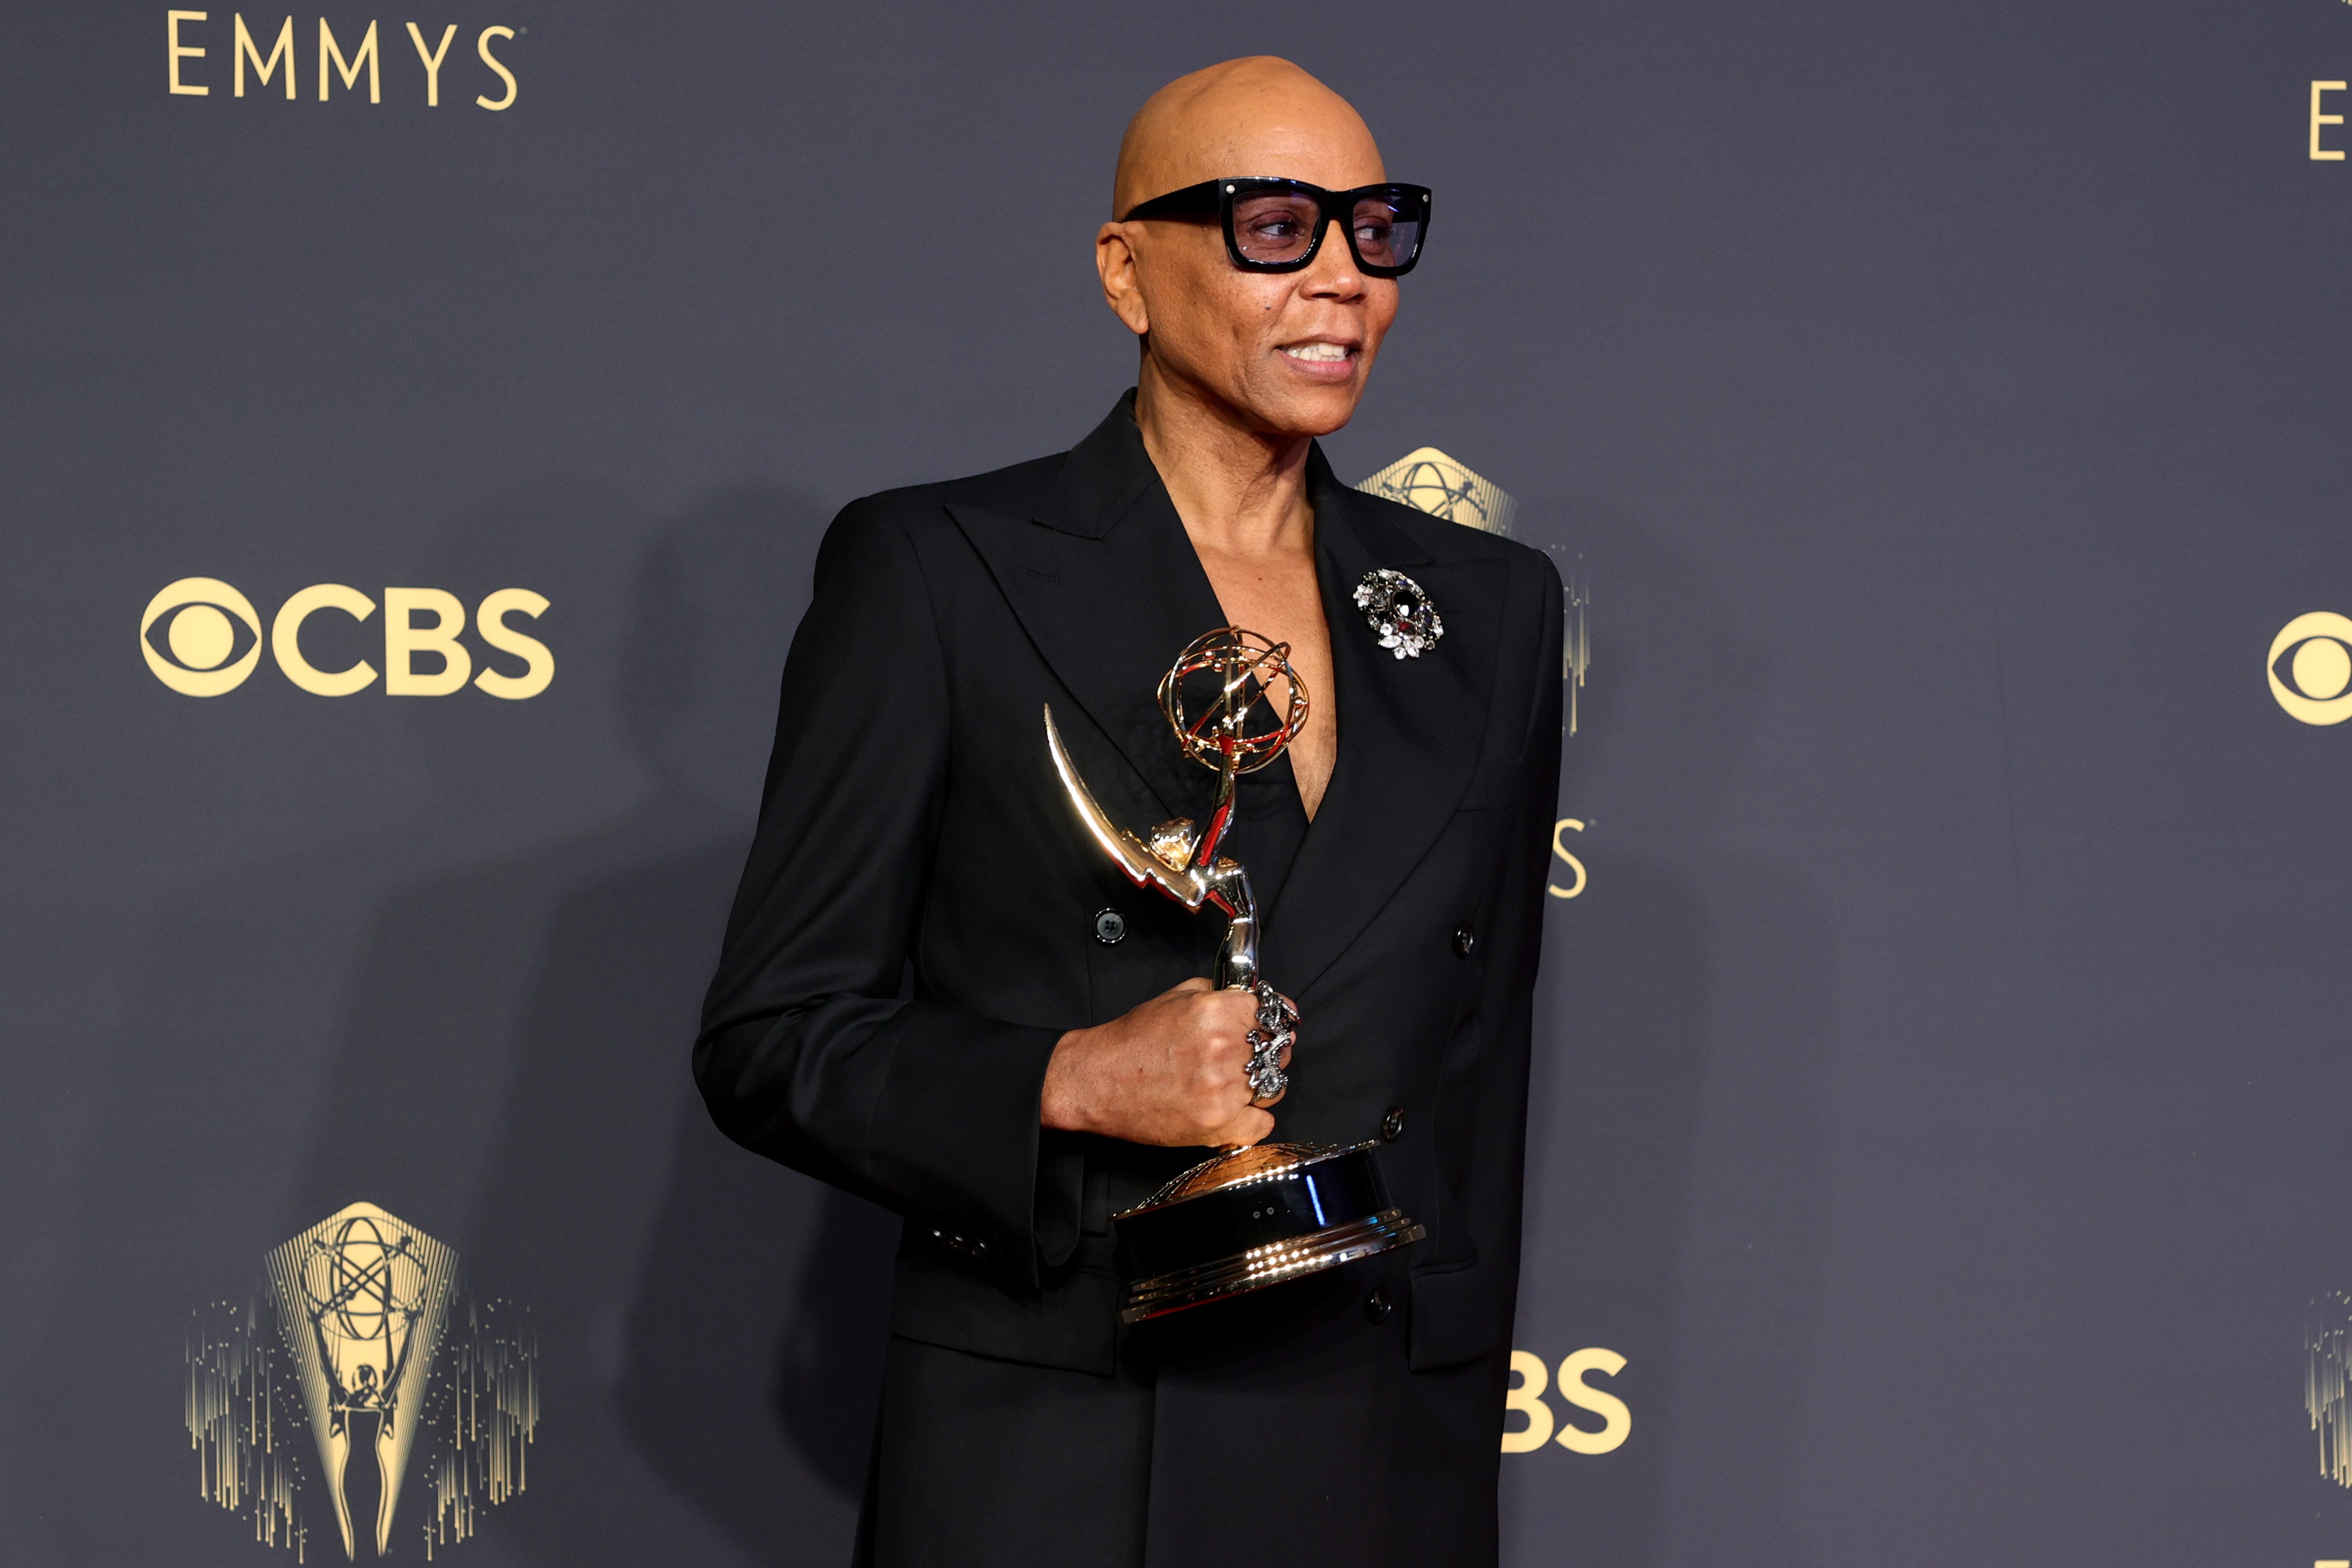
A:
(1257, 1216)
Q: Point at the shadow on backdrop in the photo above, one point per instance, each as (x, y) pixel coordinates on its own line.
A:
(370, 1017)
(660, 1261)
(479, 1018)
(1680, 1159)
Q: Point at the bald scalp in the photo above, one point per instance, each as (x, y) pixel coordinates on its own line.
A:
(1230, 118)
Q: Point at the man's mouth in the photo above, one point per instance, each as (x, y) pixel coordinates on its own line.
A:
(1317, 353)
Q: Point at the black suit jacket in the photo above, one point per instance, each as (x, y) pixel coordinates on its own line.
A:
(916, 926)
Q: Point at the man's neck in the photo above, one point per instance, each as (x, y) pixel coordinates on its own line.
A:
(1238, 491)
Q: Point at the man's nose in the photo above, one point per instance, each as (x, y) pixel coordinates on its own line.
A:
(1333, 274)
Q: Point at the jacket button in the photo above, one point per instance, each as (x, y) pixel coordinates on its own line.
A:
(1466, 936)
(1392, 1125)
(1377, 1306)
(1110, 927)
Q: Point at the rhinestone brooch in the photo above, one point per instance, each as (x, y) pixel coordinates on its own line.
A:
(1396, 609)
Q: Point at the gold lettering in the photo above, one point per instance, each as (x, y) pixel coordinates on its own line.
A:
(404, 640)
(1616, 1420)
(539, 663)
(482, 47)
(2321, 154)
(432, 62)
(1527, 1398)
(286, 634)
(180, 51)
(1560, 849)
(282, 50)
(349, 69)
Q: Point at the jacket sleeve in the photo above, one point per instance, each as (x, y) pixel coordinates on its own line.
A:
(809, 1051)
(1495, 1200)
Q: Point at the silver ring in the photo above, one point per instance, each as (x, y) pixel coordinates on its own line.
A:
(1277, 1031)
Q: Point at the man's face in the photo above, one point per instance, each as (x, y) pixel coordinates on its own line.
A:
(1288, 352)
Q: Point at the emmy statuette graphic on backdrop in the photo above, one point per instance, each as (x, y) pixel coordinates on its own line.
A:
(1428, 480)
(359, 1362)
(1254, 1215)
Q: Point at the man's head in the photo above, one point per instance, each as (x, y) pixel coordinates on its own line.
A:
(1278, 354)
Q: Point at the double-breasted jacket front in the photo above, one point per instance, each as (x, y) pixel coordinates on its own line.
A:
(922, 916)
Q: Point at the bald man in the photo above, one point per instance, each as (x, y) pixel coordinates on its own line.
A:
(938, 993)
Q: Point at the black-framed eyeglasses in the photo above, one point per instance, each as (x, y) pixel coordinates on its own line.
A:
(1276, 226)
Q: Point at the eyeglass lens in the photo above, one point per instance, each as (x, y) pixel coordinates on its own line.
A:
(1279, 226)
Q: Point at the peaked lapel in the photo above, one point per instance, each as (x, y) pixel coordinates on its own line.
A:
(1410, 732)
(1106, 582)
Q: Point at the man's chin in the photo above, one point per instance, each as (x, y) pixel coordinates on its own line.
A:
(1309, 412)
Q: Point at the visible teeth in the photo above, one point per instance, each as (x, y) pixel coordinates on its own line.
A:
(1316, 352)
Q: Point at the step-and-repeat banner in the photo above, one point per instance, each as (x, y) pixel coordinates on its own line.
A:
(416, 431)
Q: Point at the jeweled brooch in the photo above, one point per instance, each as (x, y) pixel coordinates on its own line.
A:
(1395, 607)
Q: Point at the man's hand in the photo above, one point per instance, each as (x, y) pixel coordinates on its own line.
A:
(1173, 1072)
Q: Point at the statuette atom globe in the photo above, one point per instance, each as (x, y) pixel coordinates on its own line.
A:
(1218, 684)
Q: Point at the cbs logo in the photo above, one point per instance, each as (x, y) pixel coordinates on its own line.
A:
(201, 637)
(2311, 668)
(1525, 1398)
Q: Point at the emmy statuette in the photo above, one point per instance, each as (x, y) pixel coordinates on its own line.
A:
(1252, 1216)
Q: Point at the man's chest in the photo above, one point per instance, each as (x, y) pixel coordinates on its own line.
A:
(1281, 600)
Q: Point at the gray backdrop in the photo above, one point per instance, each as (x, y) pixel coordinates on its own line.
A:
(1940, 1074)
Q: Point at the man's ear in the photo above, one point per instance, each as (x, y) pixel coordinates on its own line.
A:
(1122, 289)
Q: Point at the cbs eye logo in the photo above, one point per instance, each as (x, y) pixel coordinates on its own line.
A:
(201, 637)
(2311, 668)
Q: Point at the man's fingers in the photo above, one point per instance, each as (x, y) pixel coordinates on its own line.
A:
(1196, 1036)
(1240, 1005)
(1249, 1128)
